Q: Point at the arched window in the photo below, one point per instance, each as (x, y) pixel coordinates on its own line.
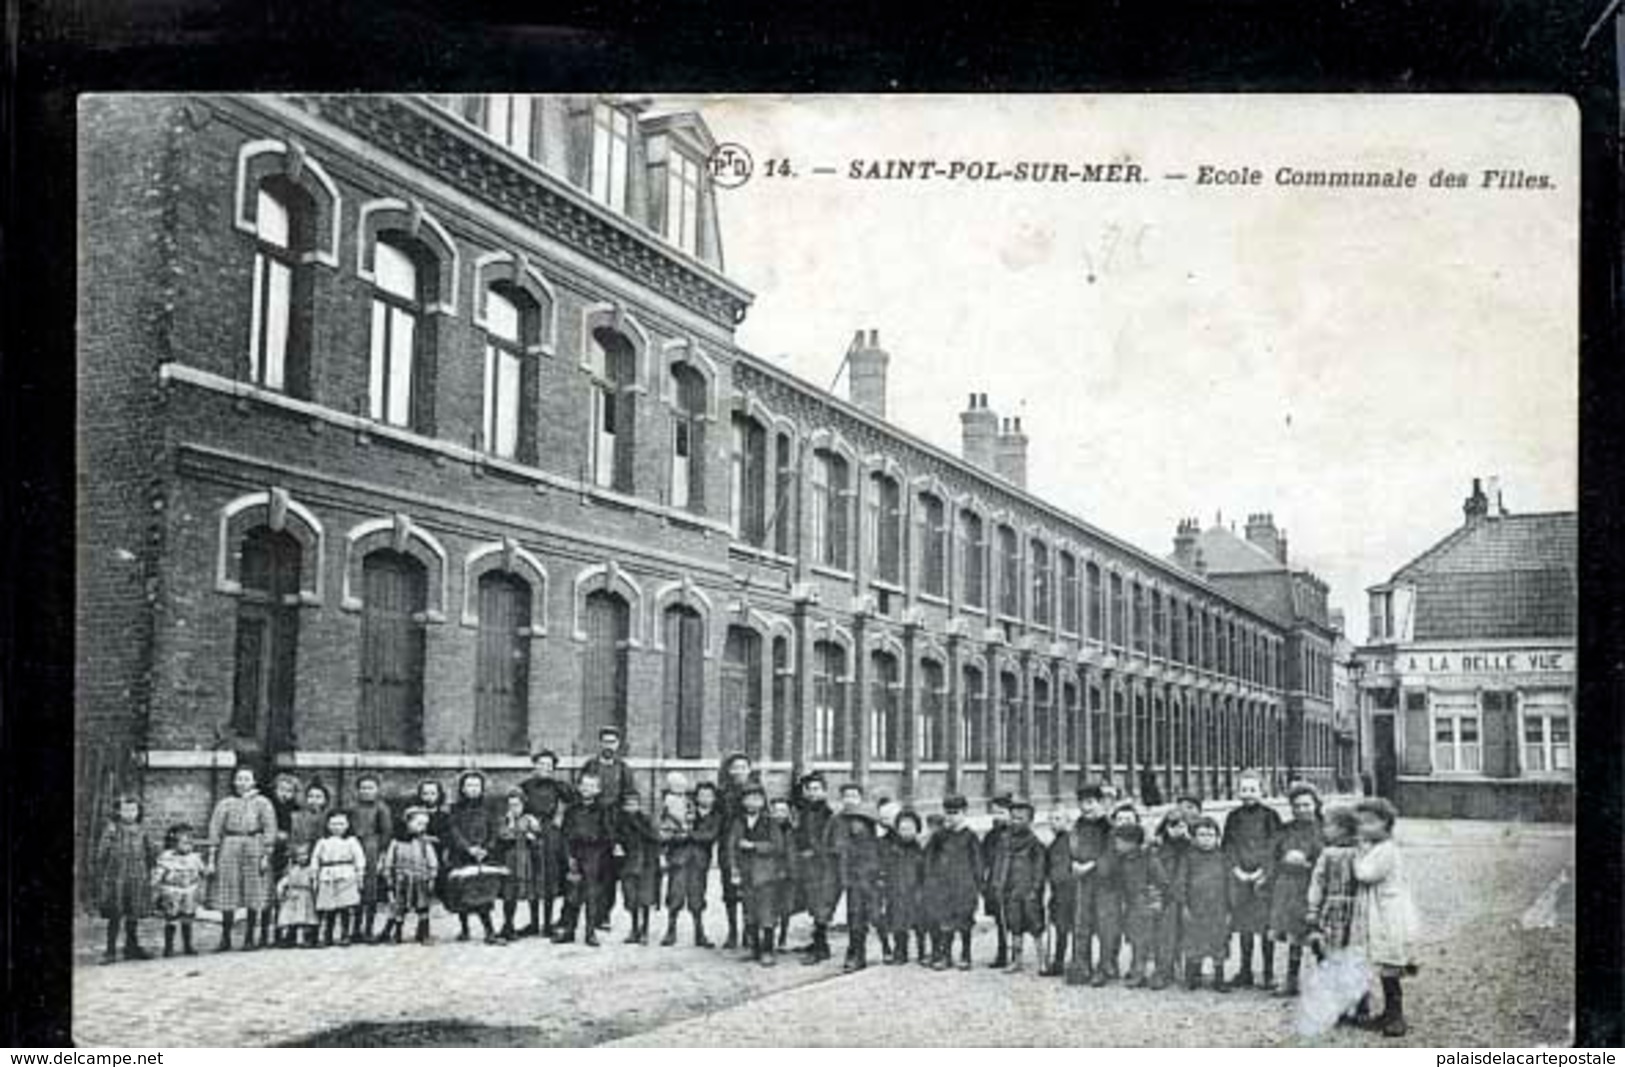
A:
(972, 715)
(1140, 627)
(400, 389)
(933, 545)
(1043, 733)
(1119, 634)
(614, 365)
(1097, 726)
(747, 488)
(742, 691)
(685, 679)
(1009, 568)
(782, 518)
(1159, 625)
(1069, 592)
(831, 510)
(267, 641)
(607, 620)
(779, 727)
(1010, 725)
(396, 594)
(1096, 606)
(886, 528)
(1072, 724)
(973, 546)
(829, 701)
(502, 672)
(1176, 633)
(884, 687)
(930, 727)
(279, 320)
(1042, 610)
(512, 332)
(688, 439)
(1159, 731)
(1120, 727)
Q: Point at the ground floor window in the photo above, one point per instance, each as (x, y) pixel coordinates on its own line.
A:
(1456, 743)
(1546, 733)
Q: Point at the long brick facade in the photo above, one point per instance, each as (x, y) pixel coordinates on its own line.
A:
(278, 567)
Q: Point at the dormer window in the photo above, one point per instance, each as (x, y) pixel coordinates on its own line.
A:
(683, 202)
(611, 155)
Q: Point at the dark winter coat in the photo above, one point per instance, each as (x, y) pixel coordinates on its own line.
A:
(993, 844)
(1203, 895)
(767, 861)
(855, 844)
(470, 824)
(1018, 880)
(1249, 845)
(639, 841)
(1289, 889)
(818, 882)
(374, 827)
(615, 779)
(1062, 886)
(905, 883)
(953, 866)
(1138, 882)
(546, 797)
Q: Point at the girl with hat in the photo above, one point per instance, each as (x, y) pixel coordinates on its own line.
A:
(473, 835)
(409, 868)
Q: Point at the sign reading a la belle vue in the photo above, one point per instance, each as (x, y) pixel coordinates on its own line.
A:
(1497, 661)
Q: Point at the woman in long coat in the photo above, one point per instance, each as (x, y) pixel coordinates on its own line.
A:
(472, 829)
(241, 833)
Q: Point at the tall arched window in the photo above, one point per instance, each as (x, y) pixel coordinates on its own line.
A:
(1097, 726)
(688, 439)
(267, 641)
(1042, 610)
(779, 727)
(502, 672)
(747, 480)
(512, 326)
(973, 552)
(831, 510)
(742, 690)
(1119, 634)
(933, 545)
(1096, 602)
(886, 528)
(1010, 725)
(884, 689)
(396, 591)
(829, 701)
(279, 320)
(607, 621)
(1043, 732)
(1140, 627)
(1159, 625)
(1120, 727)
(1009, 566)
(930, 726)
(1069, 592)
(399, 384)
(1072, 724)
(685, 679)
(783, 515)
(614, 366)
(972, 715)
(1159, 731)
(1176, 632)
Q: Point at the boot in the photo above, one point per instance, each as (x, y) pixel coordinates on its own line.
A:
(732, 941)
(939, 957)
(1016, 947)
(422, 937)
(111, 953)
(251, 928)
(765, 941)
(818, 951)
(547, 917)
(186, 940)
(1159, 981)
(535, 926)
(920, 940)
(1294, 964)
(1001, 957)
(169, 940)
(700, 940)
(1244, 977)
(400, 928)
(1193, 975)
(462, 926)
(753, 941)
(132, 942)
(266, 917)
(1269, 965)
(225, 932)
(1219, 984)
(564, 931)
(964, 950)
(899, 952)
(671, 930)
(1136, 972)
(1056, 967)
(784, 932)
(347, 928)
(491, 936)
(1393, 1009)
(885, 948)
(508, 909)
(371, 916)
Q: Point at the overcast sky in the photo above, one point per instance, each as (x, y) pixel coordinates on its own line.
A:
(1348, 360)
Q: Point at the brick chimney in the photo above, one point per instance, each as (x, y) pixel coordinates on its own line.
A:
(979, 431)
(866, 375)
(1261, 532)
(1010, 454)
(1185, 538)
(1476, 506)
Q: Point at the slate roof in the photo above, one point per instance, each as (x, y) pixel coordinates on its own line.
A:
(1501, 577)
(1227, 552)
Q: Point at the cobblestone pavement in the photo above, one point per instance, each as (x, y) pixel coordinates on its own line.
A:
(1497, 970)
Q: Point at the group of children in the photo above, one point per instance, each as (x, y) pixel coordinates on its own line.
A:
(1100, 889)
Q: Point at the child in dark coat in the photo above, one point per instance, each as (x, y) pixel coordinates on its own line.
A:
(1138, 884)
(992, 847)
(589, 834)
(637, 845)
(373, 826)
(1249, 844)
(1062, 899)
(124, 860)
(471, 831)
(1203, 896)
(1172, 845)
(736, 774)
(519, 848)
(546, 797)
(904, 882)
(1296, 849)
(759, 848)
(1109, 902)
(1087, 843)
(688, 844)
(1018, 877)
(817, 879)
(953, 865)
(855, 843)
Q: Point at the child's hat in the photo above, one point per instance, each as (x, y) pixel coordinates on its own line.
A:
(1203, 822)
(414, 811)
(1001, 800)
(1021, 805)
(954, 803)
(1124, 805)
(813, 776)
(1129, 832)
(753, 787)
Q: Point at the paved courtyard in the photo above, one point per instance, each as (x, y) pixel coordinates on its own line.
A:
(1496, 970)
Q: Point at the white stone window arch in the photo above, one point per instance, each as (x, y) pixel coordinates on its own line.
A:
(684, 592)
(612, 577)
(400, 533)
(615, 319)
(418, 225)
(278, 511)
(516, 270)
(267, 158)
(510, 557)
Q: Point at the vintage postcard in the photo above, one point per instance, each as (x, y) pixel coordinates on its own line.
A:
(854, 570)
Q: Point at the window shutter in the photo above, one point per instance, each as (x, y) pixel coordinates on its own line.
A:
(1500, 735)
(625, 448)
(1418, 735)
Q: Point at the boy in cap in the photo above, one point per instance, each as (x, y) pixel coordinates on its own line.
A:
(689, 837)
(855, 843)
(757, 845)
(953, 873)
(1138, 884)
(1058, 873)
(1018, 876)
(816, 875)
(1087, 843)
(1249, 845)
(589, 834)
(992, 847)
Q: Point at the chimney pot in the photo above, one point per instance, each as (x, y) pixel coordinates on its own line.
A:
(866, 382)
